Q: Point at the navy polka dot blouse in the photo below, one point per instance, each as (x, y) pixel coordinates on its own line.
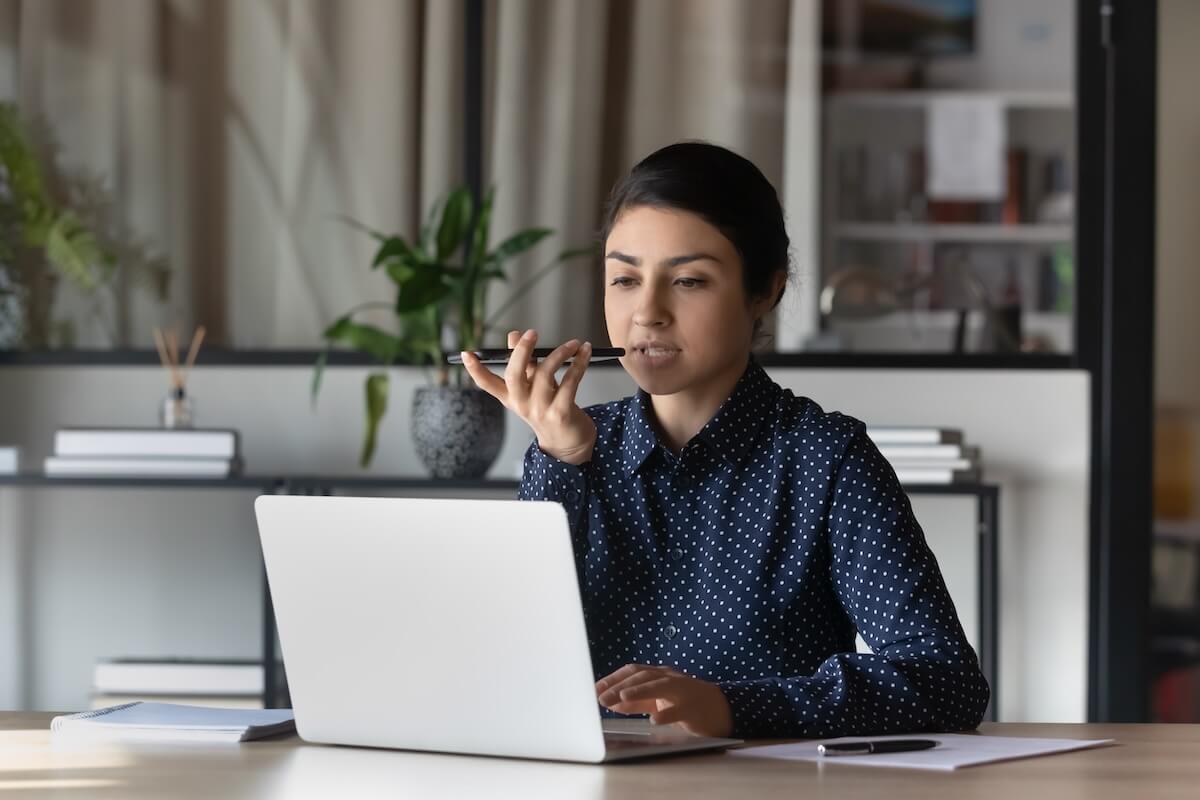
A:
(752, 557)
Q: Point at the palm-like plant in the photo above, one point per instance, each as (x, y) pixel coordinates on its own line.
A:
(54, 225)
(441, 283)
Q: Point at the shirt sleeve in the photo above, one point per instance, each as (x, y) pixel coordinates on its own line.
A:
(544, 477)
(922, 674)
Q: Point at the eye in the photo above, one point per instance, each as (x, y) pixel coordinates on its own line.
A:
(689, 283)
(621, 281)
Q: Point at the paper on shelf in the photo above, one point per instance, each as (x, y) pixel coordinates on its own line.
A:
(966, 141)
(954, 750)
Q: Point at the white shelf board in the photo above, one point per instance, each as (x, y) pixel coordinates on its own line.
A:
(960, 232)
(1032, 98)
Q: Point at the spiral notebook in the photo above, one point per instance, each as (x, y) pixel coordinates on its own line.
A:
(171, 722)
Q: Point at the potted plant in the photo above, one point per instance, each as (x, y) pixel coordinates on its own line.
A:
(58, 225)
(441, 283)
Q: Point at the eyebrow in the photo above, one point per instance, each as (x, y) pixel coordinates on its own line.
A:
(674, 261)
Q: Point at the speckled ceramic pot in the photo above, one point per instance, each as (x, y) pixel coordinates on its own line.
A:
(457, 431)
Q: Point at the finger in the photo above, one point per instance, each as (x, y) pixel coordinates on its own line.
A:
(544, 384)
(514, 373)
(652, 688)
(613, 693)
(617, 676)
(513, 338)
(616, 692)
(677, 712)
(484, 378)
(569, 385)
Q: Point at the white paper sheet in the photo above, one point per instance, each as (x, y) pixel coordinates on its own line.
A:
(966, 140)
(954, 750)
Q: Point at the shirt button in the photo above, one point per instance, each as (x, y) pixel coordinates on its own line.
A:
(670, 631)
(572, 496)
(676, 554)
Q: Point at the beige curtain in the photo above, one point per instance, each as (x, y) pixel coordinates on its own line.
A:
(234, 133)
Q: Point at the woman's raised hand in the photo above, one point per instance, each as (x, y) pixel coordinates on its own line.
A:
(563, 429)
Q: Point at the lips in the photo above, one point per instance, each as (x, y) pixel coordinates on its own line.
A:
(654, 354)
(655, 349)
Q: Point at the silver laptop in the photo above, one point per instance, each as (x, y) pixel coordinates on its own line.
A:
(441, 625)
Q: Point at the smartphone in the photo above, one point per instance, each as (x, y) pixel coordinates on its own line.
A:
(501, 355)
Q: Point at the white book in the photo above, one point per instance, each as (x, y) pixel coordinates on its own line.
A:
(933, 463)
(927, 451)
(215, 701)
(97, 467)
(883, 434)
(170, 722)
(178, 676)
(173, 443)
(937, 475)
(10, 460)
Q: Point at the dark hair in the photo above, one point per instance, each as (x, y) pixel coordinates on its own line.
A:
(724, 189)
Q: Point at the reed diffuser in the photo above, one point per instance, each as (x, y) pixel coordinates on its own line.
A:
(177, 410)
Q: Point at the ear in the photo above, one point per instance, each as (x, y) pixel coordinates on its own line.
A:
(764, 304)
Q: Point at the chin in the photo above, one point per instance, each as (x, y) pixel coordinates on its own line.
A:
(658, 382)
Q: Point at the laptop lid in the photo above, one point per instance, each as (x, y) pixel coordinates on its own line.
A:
(423, 624)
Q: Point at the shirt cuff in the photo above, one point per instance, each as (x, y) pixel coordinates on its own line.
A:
(547, 478)
(759, 709)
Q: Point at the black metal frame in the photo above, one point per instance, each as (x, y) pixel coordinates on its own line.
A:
(1117, 75)
(274, 677)
(216, 357)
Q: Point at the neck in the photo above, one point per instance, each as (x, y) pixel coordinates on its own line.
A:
(680, 416)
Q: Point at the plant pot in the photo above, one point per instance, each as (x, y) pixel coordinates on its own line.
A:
(457, 431)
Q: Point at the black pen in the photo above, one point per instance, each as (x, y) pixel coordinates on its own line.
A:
(881, 746)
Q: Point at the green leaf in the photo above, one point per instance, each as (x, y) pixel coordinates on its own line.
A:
(394, 247)
(73, 250)
(456, 216)
(353, 223)
(482, 225)
(400, 273)
(425, 288)
(518, 243)
(377, 399)
(425, 237)
(367, 338)
(318, 373)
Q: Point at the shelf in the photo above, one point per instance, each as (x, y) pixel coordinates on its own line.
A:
(962, 233)
(1061, 101)
(318, 483)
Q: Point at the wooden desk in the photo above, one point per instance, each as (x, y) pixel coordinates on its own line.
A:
(1159, 761)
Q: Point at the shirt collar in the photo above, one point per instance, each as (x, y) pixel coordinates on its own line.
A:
(730, 433)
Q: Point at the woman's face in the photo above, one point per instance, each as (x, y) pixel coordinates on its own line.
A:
(673, 298)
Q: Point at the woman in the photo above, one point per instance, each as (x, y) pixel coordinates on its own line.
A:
(730, 537)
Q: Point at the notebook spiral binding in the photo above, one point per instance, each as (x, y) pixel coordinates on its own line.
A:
(99, 712)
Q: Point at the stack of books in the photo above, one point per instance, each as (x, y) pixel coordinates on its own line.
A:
(197, 682)
(927, 455)
(10, 460)
(144, 452)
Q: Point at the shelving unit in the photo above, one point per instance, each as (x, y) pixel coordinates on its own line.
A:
(881, 228)
(962, 233)
(274, 689)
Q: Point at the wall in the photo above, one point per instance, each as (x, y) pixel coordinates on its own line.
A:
(1177, 325)
(89, 573)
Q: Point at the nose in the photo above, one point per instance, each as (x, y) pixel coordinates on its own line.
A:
(651, 312)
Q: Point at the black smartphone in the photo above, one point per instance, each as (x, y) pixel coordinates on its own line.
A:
(501, 355)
